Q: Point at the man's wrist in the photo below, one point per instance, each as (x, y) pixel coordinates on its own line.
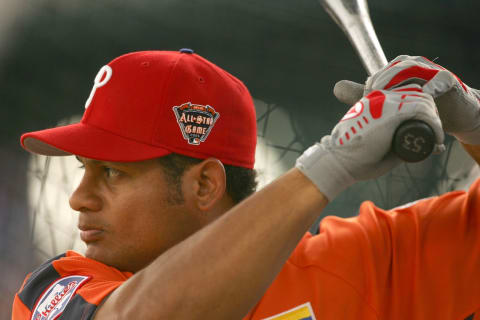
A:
(320, 166)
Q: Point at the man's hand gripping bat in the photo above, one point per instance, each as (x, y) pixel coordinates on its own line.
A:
(413, 140)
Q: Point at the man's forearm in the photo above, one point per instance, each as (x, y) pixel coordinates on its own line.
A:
(222, 271)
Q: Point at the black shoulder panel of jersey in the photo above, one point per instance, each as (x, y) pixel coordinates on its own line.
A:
(79, 309)
(38, 282)
(470, 317)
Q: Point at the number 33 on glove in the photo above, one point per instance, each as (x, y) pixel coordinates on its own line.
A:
(359, 147)
(458, 104)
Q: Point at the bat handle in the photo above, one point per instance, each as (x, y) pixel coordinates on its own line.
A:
(413, 141)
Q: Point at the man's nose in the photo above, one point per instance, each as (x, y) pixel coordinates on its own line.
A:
(85, 197)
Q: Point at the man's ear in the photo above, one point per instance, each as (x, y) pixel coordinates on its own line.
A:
(205, 184)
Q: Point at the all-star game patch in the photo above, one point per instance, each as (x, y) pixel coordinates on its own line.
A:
(195, 121)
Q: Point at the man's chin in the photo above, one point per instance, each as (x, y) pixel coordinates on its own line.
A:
(99, 254)
(106, 256)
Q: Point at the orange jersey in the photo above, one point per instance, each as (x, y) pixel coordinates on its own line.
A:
(420, 261)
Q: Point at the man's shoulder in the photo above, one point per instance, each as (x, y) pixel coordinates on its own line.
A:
(68, 264)
(70, 284)
(38, 281)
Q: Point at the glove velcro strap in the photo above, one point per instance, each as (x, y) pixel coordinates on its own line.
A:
(324, 170)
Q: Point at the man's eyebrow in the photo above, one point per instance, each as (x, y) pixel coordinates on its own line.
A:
(82, 160)
(101, 162)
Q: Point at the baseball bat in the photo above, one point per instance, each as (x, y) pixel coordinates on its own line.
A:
(413, 140)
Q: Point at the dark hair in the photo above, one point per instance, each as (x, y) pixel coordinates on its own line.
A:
(241, 182)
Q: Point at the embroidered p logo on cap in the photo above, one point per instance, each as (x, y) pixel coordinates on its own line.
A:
(195, 121)
(103, 75)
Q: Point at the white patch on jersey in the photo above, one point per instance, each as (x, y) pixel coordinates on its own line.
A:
(301, 312)
(98, 82)
(54, 300)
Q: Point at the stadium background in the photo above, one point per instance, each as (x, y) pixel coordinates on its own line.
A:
(288, 53)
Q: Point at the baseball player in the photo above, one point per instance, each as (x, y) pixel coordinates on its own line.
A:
(163, 140)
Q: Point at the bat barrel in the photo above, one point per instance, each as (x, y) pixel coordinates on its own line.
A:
(353, 18)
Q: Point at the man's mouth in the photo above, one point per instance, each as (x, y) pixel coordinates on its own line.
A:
(90, 234)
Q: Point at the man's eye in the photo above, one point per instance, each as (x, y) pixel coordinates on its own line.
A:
(111, 172)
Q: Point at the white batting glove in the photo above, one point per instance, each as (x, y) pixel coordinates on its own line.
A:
(458, 104)
(359, 147)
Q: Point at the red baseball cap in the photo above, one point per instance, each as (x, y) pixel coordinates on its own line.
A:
(148, 104)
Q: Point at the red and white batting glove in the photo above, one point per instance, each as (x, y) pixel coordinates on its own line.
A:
(359, 147)
(458, 104)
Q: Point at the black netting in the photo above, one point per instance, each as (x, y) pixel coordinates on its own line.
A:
(289, 54)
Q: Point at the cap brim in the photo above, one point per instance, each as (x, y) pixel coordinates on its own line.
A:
(87, 141)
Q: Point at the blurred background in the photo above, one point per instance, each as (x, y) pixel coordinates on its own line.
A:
(288, 53)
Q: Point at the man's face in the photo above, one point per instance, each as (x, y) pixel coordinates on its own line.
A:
(125, 217)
